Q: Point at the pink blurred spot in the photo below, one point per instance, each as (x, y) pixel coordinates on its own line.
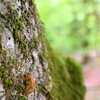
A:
(92, 77)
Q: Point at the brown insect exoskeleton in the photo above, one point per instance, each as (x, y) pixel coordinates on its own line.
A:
(31, 84)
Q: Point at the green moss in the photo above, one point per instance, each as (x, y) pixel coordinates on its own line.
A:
(66, 76)
(24, 1)
(76, 78)
(17, 97)
(5, 79)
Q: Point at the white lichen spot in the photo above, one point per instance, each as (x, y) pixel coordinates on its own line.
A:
(32, 21)
(13, 70)
(19, 13)
(10, 46)
(35, 32)
(27, 5)
(35, 54)
(15, 4)
(18, 2)
(3, 8)
(10, 43)
(2, 91)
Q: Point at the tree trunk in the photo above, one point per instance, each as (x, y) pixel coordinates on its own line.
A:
(24, 50)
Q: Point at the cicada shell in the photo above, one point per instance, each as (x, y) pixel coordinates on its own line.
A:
(32, 83)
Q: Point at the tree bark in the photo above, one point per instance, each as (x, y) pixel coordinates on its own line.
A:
(24, 49)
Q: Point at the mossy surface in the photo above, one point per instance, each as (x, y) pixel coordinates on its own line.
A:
(17, 97)
(67, 77)
(5, 78)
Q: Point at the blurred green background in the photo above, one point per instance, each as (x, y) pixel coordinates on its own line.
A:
(71, 25)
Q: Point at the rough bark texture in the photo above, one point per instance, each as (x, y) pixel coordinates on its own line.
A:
(23, 49)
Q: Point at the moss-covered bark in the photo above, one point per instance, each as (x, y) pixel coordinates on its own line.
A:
(23, 49)
(67, 78)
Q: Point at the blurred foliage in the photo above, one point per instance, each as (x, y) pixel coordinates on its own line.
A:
(71, 25)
